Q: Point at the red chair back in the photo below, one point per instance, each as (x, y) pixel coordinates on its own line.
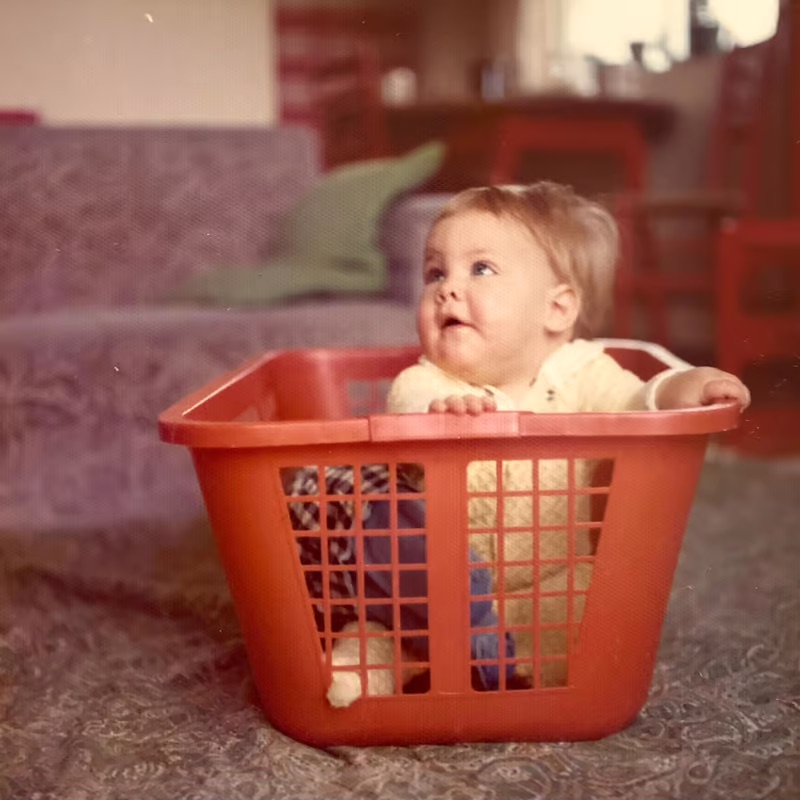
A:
(348, 109)
(619, 139)
(758, 329)
(12, 116)
(329, 68)
(739, 122)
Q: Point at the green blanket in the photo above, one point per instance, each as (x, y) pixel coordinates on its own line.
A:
(329, 244)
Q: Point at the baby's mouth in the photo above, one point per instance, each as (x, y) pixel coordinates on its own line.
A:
(452, 322)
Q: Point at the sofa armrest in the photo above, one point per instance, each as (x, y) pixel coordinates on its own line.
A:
(404, 229)
(80, 394)
(101, 217)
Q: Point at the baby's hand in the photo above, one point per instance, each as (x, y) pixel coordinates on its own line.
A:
(463, 404)
(701, 386)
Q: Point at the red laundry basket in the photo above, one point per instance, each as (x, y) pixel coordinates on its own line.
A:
(320, 410)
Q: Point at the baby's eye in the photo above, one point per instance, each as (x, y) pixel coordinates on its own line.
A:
(434, 275)
(483, 268)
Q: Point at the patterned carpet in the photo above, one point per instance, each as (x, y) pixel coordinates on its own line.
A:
(122, 674)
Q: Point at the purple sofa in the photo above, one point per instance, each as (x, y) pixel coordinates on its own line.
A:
(97, 228)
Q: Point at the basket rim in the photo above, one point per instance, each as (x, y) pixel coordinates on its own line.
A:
(184, 422)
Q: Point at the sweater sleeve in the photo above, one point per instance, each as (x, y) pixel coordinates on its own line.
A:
(415, 387)
(605, 386)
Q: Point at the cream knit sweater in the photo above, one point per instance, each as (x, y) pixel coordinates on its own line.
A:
(579, 377)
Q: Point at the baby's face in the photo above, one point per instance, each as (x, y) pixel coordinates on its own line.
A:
(487, 284)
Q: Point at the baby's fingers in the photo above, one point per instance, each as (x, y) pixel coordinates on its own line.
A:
(721, 390)
(438, 406)
(462, 404)
(454, 404)
(478, 404)
(489, 404)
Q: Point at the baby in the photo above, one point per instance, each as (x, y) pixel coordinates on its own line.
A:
(517, 278)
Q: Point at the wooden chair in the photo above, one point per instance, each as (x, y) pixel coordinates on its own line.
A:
(517, 135)
(340, 99)
(514, 142)
(348, 109)
(757, 281)
(18, 117)
(329, 67)
(656, 268)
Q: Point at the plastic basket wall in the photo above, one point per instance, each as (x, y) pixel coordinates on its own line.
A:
(519, 564)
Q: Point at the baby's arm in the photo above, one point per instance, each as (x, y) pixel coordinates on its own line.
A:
(606, 386)
(700, 386)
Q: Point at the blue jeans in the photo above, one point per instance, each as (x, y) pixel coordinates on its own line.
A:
(413, 583)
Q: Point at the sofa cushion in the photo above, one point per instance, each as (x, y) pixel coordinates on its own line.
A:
(120, 216)
(330, 242)
(404, 231)
(82, 393)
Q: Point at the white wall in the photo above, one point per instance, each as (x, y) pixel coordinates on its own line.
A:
(206, 62)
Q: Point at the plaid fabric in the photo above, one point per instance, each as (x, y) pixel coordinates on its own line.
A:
(342, 552)
(339, 517)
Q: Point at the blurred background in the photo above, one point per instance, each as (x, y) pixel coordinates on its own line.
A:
(218, 62)
(146, 144)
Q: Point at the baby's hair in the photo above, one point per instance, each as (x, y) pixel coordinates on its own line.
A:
(579, 237)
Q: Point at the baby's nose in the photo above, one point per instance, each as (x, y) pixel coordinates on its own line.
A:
(450, 289)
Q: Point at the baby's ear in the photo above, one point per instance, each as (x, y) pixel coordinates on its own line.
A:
(563, 307)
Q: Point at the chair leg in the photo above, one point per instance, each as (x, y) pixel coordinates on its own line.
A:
(656, 299)
(624, 294)
(771, 426)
